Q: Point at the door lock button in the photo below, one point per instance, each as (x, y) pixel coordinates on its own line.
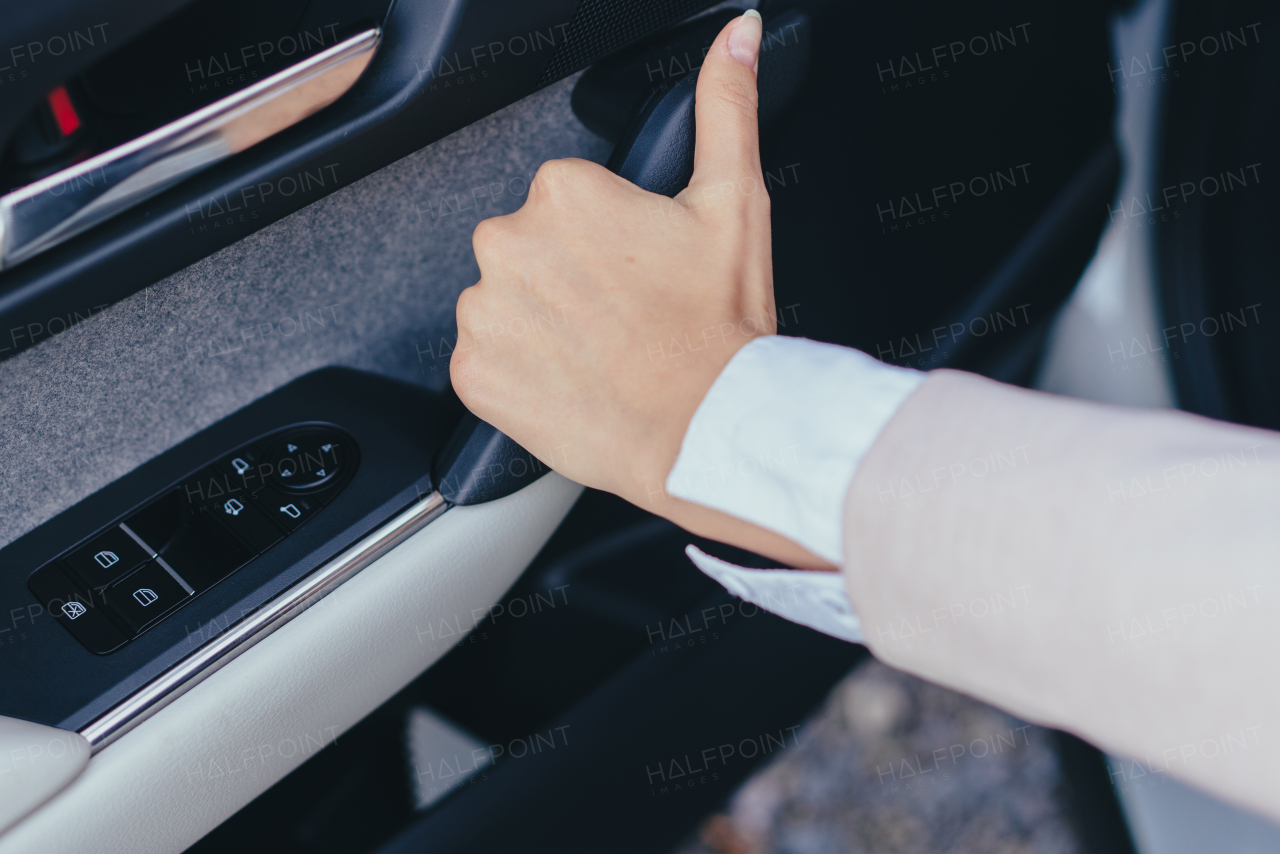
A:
(107, 556)
(81, 615)
(145, 596)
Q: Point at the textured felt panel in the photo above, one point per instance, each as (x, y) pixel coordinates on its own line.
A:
(366, 277)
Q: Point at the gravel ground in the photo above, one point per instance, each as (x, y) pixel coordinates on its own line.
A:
(894, 765)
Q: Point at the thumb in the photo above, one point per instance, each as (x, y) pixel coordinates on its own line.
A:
(727, 146)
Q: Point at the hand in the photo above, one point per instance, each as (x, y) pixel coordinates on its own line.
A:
(604, 313)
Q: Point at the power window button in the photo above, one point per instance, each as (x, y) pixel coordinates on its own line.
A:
(243, 470)
(289, 510)
(107, 557)
(146, 595)
(247, 521)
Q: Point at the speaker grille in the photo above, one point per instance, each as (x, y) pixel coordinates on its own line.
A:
(600, 27)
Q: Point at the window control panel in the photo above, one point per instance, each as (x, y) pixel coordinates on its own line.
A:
(161, 555)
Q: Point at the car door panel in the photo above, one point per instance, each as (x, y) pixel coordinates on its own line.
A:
(175, 777)
(366, 278)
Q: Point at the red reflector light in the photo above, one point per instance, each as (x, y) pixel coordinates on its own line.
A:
(64, 113)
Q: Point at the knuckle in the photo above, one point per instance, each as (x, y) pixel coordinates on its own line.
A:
(487, 234)
(548, 178)
(557, 178)
(495, 242)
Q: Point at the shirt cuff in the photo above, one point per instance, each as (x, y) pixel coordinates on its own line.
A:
(814, 599)
(779, 436)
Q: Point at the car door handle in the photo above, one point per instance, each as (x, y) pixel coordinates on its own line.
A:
(46, 212)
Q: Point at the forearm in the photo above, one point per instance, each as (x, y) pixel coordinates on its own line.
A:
(716, 525)
(1107, 571)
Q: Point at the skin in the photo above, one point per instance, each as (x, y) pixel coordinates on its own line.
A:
(578, 341)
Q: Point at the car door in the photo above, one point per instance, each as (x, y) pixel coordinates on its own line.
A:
(364, 290)
(234, 235)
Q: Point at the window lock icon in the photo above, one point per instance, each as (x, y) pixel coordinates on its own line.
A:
(73, 610)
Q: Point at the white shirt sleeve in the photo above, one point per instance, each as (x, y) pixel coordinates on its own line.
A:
(814, 599)
(776, 442)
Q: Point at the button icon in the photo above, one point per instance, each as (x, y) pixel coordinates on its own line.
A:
(73, 610)
(233, 507)
(291, 511)
(106, 559)
(146, 595)
(239, 465)
(305, 460)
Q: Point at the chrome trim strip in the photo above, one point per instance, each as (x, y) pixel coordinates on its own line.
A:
(186, 674)
(48, 211)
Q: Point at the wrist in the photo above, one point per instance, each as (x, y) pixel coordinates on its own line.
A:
(659, 444)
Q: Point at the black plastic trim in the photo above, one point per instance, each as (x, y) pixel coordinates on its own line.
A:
(481, 464)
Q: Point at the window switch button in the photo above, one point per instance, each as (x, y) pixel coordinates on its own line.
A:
(198, 548)
(248, 522)
(106, 557)
(289, 510)
(145, 596)
(243, 464)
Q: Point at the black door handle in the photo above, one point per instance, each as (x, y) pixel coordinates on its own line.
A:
(479, 464)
